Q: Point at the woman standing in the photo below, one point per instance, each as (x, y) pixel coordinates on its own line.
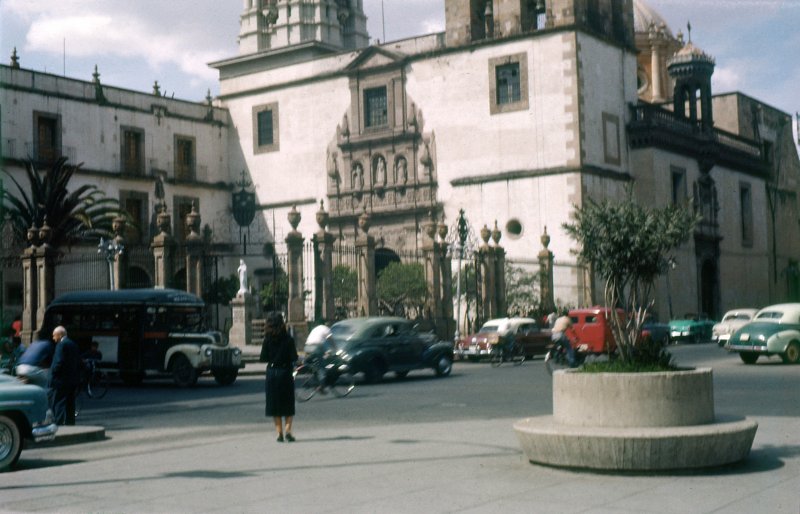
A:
(280, 354)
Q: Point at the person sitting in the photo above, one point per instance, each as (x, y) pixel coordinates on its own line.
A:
(559, 336)
(320, 351)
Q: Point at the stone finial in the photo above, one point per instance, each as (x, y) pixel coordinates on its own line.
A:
(118, 226)
(322, 216)
(192, 221)
(496, 234)
(163, 219)
(294, 217)
(156, 89)
(485, 234)
(96, 75)
(45, 232)
(14, 59)
(430, 229)
(209, 98)
(545, 239)
(33, 235)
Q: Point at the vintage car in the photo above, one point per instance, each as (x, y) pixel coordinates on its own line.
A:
(775, 330)
(526, 332)
(591, 330)
(658, 332)
(692, 328)
(23, 415)
(376, 345)
(732, 321)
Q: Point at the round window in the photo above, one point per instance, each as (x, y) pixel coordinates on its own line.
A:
(514, 228)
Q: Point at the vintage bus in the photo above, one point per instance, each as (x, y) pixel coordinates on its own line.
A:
(146, 332)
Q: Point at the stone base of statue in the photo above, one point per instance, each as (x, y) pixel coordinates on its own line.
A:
(242, 322)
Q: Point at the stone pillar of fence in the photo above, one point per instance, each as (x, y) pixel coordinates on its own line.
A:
(365, 253)
(323, 268)
(501, 307)
(430, 252)
(120, 268)
(194, 253)
(296, 316)
(163, 246)
(487, 284)
(546, 297)
(45, 274)
(446, 296)
(29, 286)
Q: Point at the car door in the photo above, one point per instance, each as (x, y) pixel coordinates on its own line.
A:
(533, 339)
(396, 347)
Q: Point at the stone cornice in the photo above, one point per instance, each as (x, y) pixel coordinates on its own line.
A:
(533, 173)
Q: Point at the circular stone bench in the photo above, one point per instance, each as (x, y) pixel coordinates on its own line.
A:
(634, 422)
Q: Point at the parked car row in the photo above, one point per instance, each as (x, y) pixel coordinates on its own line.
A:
(774, 330)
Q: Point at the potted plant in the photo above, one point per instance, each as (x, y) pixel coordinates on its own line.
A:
(637, 411)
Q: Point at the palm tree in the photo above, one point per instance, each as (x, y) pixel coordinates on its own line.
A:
(74, 217)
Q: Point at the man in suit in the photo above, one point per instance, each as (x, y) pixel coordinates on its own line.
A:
(65, 376)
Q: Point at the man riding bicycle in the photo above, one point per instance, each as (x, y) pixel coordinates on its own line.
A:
(320, 352)
(559, 336)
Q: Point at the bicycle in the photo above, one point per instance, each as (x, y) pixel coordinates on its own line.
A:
(502, 353)
(94, 384)
(311, 379)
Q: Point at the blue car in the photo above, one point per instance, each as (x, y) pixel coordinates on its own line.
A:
(24, 414)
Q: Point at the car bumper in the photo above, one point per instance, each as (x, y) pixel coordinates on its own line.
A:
(473, 351)
(44, 433)
(753, 348)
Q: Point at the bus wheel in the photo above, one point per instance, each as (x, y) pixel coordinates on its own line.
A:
(183, 373)
(226, 377)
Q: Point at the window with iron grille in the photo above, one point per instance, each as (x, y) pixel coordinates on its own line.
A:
(184, 158)
(375, 107)
(508, 83)
(132, 151)
(265, 136)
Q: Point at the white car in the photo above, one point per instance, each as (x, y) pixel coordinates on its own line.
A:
(732, 321)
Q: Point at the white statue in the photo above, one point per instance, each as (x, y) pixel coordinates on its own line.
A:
(242, 278)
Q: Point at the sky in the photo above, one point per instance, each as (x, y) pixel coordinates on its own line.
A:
(755, 42)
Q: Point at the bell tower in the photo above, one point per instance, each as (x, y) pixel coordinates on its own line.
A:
(331, 25)
(691, 68)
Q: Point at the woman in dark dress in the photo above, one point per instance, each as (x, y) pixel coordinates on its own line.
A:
(280, 354)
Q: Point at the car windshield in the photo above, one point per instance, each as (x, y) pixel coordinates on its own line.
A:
(488, 329)
(770, 315)
(737, 316)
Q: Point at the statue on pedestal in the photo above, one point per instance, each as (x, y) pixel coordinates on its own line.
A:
(243, 288)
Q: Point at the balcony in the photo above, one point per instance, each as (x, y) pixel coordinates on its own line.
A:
(654, 126)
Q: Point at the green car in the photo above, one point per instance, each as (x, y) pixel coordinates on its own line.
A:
(775, 330)
(692, 328)
(23, 415)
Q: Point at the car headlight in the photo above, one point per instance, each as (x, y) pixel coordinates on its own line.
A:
(762, 337)
(208, 352)
(237, 352)
(474, 339)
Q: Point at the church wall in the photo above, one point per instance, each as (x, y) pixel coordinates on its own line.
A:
(607, 82)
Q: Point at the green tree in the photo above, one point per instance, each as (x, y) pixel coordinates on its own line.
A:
(628, 246)
(76, 216)
(402, 289)
(521, 291)
(222, 290)
(345, 289)
(274, 295)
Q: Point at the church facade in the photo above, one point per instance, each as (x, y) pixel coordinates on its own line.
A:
(518, 112)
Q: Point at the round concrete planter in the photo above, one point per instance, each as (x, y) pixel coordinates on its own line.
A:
(634, 422)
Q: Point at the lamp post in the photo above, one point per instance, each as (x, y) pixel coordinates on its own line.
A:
(110, 249)
(671, 264)
(460, 241)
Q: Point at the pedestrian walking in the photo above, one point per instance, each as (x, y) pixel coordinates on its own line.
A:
(65, 375)
(279, 352)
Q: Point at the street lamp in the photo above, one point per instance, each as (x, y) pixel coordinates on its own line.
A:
(671, 265)
(110, 249)
(460, 242)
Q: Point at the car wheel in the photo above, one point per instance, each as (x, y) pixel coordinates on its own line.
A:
(373, 372)
(444, 366)
(792, 353)
(183, 373)
(748, 357)
(10, 443)
(226, 377)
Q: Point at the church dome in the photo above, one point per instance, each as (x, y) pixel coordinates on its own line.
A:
(644, 16)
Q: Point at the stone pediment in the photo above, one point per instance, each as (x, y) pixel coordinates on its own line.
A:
(375, 57)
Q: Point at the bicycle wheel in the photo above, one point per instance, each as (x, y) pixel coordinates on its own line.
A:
(555, 359)
(496, 357)
(306, 385)
(518, 355)
(344, 384)
(98, 385)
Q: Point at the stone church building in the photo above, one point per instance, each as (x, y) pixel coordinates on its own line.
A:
(517, 112)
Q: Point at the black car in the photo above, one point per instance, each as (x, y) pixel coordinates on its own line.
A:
(377, 345)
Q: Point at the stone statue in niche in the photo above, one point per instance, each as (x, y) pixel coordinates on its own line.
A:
(401, 171)
(358, 177)
(380, 172)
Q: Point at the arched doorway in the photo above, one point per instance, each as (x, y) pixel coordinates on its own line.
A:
(384, 257)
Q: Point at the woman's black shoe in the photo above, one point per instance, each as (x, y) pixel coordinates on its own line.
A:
(280, 438)
(290, 438)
